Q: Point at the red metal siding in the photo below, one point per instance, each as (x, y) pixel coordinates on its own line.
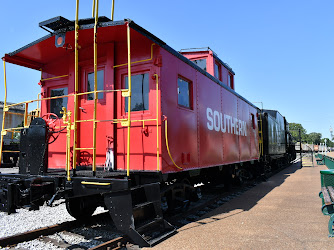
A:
(182, 122)
(143, 150)
(217, 131)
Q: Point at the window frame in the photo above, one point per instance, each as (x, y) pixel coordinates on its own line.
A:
(191, 91)
(219, 70)
(84, 83)
(136, 70)
(230, 80)
(200, 58)
(253, 121)
(148, 94)
(54, 87)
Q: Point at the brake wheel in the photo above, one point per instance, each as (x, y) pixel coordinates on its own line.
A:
(52, 121)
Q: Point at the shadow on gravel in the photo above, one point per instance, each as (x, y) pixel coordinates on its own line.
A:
(250, 197)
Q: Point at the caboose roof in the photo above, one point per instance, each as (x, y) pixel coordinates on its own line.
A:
(34, 55)
(42, 51)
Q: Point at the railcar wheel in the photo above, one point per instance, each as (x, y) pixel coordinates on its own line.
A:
(81, 207)
(178, 196)
(243, 175)
(267, 168)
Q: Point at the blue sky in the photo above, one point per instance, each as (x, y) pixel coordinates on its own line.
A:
(281, 51)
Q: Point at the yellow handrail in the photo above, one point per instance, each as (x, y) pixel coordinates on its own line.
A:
(76, 88)
(129, 101)
(157, 104)
(112, 10)
(96, 7)
(95, 183)
(103, 91)
(67, 121)
(145, 60)
(51, 78)
(260, 135)
(93, 9)
(166, 137)
(38, 97)
(37, 100)
(3, 110)
(13, 113)
(26, 115)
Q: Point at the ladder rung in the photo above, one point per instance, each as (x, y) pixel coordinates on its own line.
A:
(90, 120)
(83, 148)
(111, 120)
(9, 151)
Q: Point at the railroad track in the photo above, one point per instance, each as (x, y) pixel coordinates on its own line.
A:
(212, 198)
(208, 202)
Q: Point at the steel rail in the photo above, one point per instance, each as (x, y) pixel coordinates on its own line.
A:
(117, 243)
(34, 234)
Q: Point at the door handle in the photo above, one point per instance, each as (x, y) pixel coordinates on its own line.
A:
(83, 110)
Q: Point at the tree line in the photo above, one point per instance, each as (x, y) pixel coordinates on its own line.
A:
(311, 138)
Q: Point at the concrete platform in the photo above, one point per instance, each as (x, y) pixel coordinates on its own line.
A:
(282, 213)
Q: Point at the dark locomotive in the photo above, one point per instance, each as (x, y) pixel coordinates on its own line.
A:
(128, 123)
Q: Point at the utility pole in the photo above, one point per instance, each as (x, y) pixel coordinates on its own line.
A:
(300, 148)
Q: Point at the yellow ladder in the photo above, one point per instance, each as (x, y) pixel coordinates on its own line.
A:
(125, 93)
(260, 125)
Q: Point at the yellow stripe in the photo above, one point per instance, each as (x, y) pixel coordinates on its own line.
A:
(95, 183)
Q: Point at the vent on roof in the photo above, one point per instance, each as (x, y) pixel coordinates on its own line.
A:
(59, 22)
(55, 23)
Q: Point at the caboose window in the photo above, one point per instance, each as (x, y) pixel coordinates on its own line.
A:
(253, 121)
(139, 92)
(217, 71)
(201, 63)
(183, 91)
(90, 84)
(230, 81)
(56, 105)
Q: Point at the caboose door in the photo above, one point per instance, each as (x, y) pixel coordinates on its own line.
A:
(104, 111)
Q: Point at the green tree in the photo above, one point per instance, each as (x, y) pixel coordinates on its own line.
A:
(294, 130)
(314, 138)
(329, 143)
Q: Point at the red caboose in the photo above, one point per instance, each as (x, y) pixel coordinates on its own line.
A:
(176, 119)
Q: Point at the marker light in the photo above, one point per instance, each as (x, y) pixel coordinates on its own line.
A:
(60, 40)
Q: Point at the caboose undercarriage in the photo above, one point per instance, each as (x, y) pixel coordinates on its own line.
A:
(136, 202)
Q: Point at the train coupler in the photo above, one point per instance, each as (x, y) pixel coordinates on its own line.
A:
(7, 201)
(18, 192)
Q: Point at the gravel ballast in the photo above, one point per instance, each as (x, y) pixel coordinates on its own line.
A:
(24, 220)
